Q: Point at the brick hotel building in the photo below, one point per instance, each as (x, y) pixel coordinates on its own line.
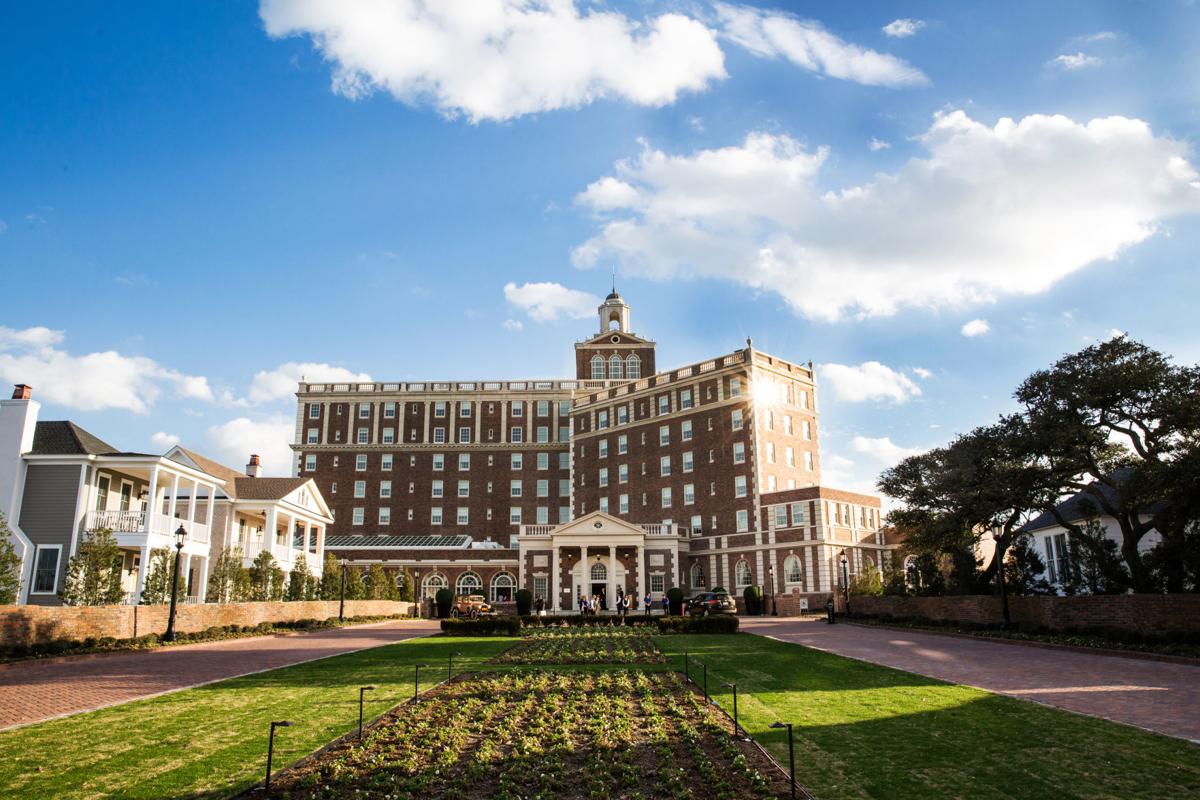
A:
(623, 479)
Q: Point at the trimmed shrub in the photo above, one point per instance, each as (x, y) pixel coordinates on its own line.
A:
(713, 623)
(720, 589)
(524, 602)
(675, 600)
(443, 599)
(501, 625)
(753, 598)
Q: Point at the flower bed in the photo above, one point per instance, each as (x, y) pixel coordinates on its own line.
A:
(544, 734)
(583, 646)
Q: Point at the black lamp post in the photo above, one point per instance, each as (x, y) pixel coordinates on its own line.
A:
(791, 753)
(271, 749)
(417, 680)
(706, 698)
(450, 665)
(846, 581)
(362, 691)
(736, 726)
(774, 602)
(180, 536)
(686, 670)
(342, 603)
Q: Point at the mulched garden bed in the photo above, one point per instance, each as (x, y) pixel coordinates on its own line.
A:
(583, 646)
(545, 734)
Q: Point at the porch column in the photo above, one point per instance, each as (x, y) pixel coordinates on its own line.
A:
(151, 502)
(171, 507)
(143, 566)
(202, 589)
(612, 577)
(555, 583)
(320, 552)
(192, 503)
(640, 554)
(271, 529)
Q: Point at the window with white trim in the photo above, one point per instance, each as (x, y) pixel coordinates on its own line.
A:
(464, 435)
(439, 462)
(45, 569)
(808, 460)
(389, 410)
(464, 515)
(623, 504)
(735, 418)
(622, 473)
(314, 411)
(664, 404)
(689, 461)
(741, 574)
(633, 367)
(310, 462)
(364, 411)
(543, 488)
(603, 477)
(602, 448)
(312, 435)
(516, 461)
(604, 505)
(357, 516)
(543, 434)
(806, 429)
(360, 463)
(389, 435)
(439, 408)
(686, 430)
(439, 435)
(514, 488)
(518, 434)
(743, 521)
(597, 368)
(739, 486)
(666, 497)
(657, 584)
(793, 570)
(622, 444)
(735, 387)
(781, 516)
(385, 516)
(504, 588)
(664, 434)
(435, 515)
(689, 494)
(464, 462)
(464, 488)
(664, 466)
(437, 489)
(514, 515)
(739, 452)
(468, 583)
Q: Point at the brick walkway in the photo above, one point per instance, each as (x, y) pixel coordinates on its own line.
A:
(32, 691)
(1157, 696)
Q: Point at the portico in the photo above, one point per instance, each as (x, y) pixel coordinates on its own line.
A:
(598, 554)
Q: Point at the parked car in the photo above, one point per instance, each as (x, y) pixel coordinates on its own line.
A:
(470, 605)
(711, 603)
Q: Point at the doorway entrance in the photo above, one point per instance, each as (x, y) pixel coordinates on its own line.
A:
(601, 590)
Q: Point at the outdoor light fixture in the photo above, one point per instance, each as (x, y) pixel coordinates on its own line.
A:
(774, 602)
(791, 753)
(846, 581)
(450, 665)
(736, 726)
(417, 680)
(180, 538)
(362, 691)
(271, 749)
(342, 603)
(706, 697)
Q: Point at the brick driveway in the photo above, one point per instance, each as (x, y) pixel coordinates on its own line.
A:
(32, 691)
(1154, 695)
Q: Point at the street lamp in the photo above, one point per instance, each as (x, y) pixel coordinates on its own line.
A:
(846, 581)
(450, 665)
(736, 726)
(342, 603)
(271, 748)
(180, 537)
(774, 602)
(417, 680)
(791, 753)
(362, 691)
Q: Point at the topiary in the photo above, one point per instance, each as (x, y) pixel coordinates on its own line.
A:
(720, 589)
(675, 600)
(443, 599)
(753, 597)
(524, 602)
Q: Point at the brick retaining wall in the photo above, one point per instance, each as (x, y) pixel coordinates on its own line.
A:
(37, 624)
(1144, 613)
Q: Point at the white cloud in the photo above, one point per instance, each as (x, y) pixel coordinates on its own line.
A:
(1074, 61)
(544, 302)
(989, 211)
(232, 442)
(93, 381)
(774, 34)
(513, 325)
(868, 381)
(922, 373)
(164, 440)
(976, 327)
(903, 28)
(501, 59)
(1101, 36)
(878, 144)
(883, 449)
(282, 382)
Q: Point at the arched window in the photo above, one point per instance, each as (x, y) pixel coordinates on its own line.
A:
(616, 368)
(597, 367)
(468, 583)
(633, 367)
(504, 588)
(741, 574)
(431, 584)
(697, 574)
(599, 572)
(792, 570)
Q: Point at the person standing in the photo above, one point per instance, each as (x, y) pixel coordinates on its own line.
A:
(649, 601)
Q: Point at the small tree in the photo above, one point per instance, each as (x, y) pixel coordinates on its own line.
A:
(443, 599)
(524, 602)
(1095, 563)
(404, 586)
(869, 582)
(355, 587)
(10, 566)
(1024, 570)
(298, 580)
(227, 577)
(376, 584)
(752, 597)
(266, 578)
(675, 600)
(94, 574)
(331, 579)
(156, 588)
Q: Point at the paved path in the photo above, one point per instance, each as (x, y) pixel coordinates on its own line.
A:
(1154, 695)
(32, 691)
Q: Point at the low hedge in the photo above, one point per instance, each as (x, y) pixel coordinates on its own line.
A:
(106, 644)
(586, 621)
(499, 625)
(710, 623)
(715, 623)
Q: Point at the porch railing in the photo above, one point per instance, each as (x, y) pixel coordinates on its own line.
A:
(117, 521)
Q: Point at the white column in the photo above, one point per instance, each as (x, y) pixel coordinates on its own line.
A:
(271, 527)
(640, 556)
(612, 577)
(320, 552)
(202, 589)
(171, 507)
(192, 503)
(555, 583)
(143, 566)
(151, 501)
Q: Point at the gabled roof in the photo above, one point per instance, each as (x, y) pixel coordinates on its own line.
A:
(246, 488)
(216, 469)
(605, 338)
(65, 438)
(1085, 503)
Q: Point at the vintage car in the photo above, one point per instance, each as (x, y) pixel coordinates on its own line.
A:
(470, 605)
(711, 603)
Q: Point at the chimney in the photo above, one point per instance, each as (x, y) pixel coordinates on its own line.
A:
(18, 421)
(22, 391)
(254, 468)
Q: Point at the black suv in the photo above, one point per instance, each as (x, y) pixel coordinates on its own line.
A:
(711, 603)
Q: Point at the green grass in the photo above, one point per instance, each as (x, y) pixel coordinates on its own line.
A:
(863, 731)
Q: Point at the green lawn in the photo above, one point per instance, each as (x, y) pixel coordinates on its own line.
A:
(862, 730)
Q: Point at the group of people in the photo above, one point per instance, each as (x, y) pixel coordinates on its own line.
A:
(625, 603)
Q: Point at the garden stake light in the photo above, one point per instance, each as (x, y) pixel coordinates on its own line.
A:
(736, 726)
(271, 749)
(791, 753)
(361, 694)
(417, 681)
(687, 672)
(706, 697)
(450, 665)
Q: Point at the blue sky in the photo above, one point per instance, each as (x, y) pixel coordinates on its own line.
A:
(197, 197)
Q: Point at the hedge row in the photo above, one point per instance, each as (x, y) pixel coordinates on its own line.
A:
(506, 625)
(105, 644)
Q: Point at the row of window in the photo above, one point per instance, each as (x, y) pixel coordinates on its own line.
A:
(793, 573)
(516, 488)
(465, 435)
(440, 409)
(462, 515)
(618, 368)
(542, 461)
(503, 587)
